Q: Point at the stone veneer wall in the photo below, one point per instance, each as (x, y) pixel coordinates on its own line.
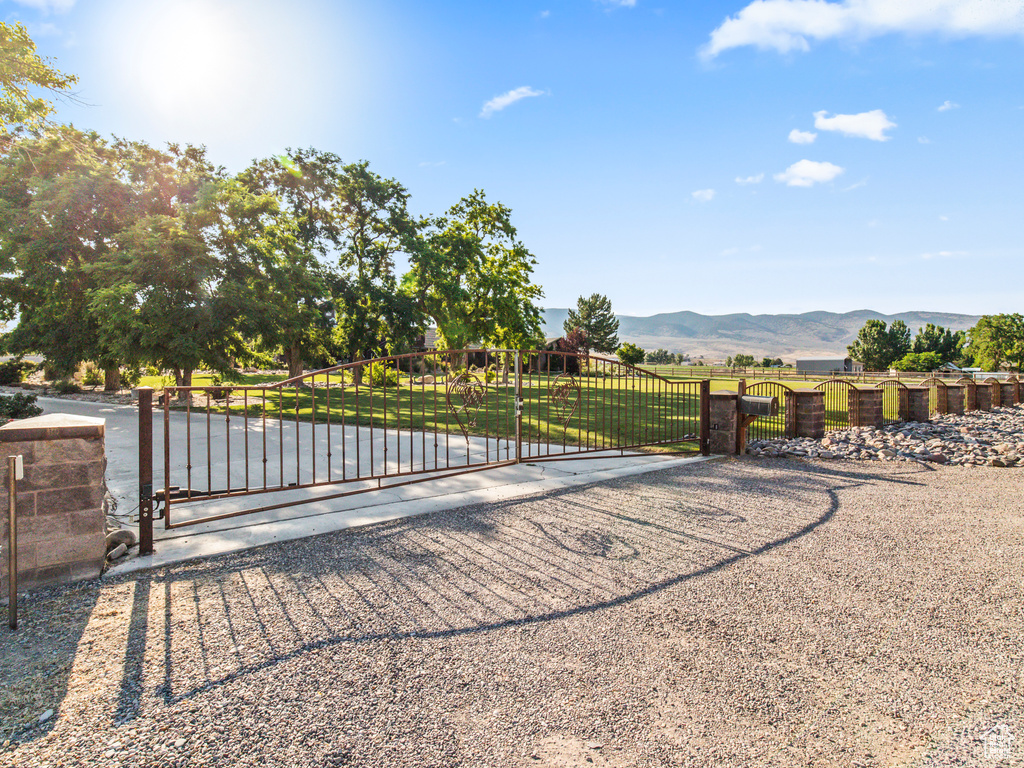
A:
(983, 396)
(868, 409)
(60, 519)
(806, 416)
(919, 400)
(724, 423)
(955, 398)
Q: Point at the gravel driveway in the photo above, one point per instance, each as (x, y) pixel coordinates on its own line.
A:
(726, 613)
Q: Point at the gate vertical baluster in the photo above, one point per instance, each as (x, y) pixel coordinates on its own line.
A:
(330, 445)
(518, 393)
(188, 439)
(263, 416)
(227, 437)
(398, 414)
(280, 432)
(298, 446)
(344, 436)
(372, 468)
(433, 386)
(312, 425)
(245, 432)
(412, 416)
(145, 475)
(423, 411)
(487, 415)
(705, 417)
(209, 462)
(384, 396)
(447, 447)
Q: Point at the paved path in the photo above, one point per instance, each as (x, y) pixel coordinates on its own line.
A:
(317, 514)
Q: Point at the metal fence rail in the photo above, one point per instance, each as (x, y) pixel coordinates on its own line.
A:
(895, 401)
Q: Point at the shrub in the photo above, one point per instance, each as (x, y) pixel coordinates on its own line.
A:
(131, 376)
(92, 376)
(13, 371)
(382, 376)
(66, 388)
(20, 406)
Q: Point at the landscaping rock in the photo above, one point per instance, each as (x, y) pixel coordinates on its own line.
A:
(977, 438)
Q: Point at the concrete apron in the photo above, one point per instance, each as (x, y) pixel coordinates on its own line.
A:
(317, 515)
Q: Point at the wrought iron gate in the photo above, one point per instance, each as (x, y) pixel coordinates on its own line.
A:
(402, 419)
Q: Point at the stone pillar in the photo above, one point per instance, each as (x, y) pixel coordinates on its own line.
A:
(970, 396)
(903, 404)
(1008, 393)
(865, 406)
(955, 398)
(805, 413)
(918, 401)
(61, 525)
(724, 423)
(984, 396)
(997, 393)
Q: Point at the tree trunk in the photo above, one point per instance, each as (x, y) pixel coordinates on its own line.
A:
(111, 379)
(293, 356)
(182, 378)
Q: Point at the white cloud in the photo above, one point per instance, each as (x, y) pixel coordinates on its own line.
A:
(57, 6)
(943, 218)
(948, 105)
(750, 179)
(944, 255)
(703, 195)
(791, 25)
(545, 14)
(619, 3)
(923, 140)
(499, 103)
(802, 137)
(807, 173)
(867, 125)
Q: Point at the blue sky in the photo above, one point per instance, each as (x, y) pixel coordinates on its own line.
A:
(774, 156)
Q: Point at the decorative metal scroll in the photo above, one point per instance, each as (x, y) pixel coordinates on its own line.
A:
(465, 394)
(564, 396)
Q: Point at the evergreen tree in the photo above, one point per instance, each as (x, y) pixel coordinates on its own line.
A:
(594, 315)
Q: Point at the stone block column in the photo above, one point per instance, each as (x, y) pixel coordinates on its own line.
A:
(805, 413)
(970, 396)
(866, 408)
(60, 518)
(1008, 393)
(983, 392)
(997, 393)
(918, 400)
(724, 423)
(955, 398)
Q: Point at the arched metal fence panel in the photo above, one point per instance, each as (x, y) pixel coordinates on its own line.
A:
(840, 400)
(780, 425)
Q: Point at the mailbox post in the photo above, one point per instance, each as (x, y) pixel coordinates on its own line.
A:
(750, 407)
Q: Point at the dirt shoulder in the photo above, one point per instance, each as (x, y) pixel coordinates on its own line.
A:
(748, 612)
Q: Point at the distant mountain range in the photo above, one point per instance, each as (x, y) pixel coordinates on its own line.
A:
(812, 334)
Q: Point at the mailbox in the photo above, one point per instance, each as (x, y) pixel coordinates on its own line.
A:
(752, 405)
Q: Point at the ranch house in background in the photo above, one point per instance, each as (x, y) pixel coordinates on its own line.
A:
(829, 365)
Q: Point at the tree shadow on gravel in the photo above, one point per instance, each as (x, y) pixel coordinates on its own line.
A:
(548, 557)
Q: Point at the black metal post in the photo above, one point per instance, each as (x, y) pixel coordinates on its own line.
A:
(705, 417)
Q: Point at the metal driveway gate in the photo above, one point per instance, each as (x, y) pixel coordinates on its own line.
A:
(398, 420)
(895, 401)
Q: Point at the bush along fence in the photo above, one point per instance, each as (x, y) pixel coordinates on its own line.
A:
(840, 404)
(792, 374)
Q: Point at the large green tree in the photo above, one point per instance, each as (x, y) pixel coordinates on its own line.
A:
(370, 227)
(997, 339)
(946, 343)
(157, 299)
(270, 231)
(472, 276)
(879, 346)
(594, 315)
(62, 203)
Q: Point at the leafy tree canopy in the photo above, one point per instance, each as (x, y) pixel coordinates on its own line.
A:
(631, 354)
(878, 346)
(22, 71)
(919, 361)
(997, 339)
(947, 344)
